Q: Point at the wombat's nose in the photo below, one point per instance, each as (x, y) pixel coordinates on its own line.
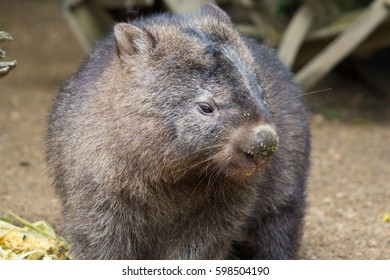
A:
(263, 144)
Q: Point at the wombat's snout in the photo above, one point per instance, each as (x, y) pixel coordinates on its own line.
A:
(262, 143)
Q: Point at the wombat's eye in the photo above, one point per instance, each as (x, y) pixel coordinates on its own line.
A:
(205, 109)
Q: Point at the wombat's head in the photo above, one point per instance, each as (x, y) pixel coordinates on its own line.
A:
(199, 90)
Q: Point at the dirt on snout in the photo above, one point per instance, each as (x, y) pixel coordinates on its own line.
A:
(349, 185)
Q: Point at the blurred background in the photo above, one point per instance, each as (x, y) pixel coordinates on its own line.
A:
(339, 52)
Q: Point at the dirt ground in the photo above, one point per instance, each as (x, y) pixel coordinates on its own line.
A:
(349, 185)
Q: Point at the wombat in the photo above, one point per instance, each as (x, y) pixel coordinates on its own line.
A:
(179, 138)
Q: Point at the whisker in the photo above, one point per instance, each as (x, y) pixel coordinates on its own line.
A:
(200, 182)
(221, 190)
(286, 116)
(185, 170)
(217, 171)
(204, 170)
(304, 94)
(198, 151)
(316, 91)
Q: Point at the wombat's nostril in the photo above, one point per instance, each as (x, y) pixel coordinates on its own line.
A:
(264, 143)
(249, 155)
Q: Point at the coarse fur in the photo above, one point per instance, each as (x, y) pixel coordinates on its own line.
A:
(147, 145)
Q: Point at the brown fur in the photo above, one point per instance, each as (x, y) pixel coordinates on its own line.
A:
(145, 171)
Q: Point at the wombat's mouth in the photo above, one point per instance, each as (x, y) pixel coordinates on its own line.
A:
(244, 164)
(259, 161)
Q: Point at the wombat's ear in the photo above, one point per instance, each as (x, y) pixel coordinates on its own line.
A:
(131, 40)
(216, 12)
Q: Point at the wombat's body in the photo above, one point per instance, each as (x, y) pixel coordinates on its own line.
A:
(162, 145)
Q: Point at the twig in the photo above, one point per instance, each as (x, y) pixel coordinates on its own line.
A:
(5, 67)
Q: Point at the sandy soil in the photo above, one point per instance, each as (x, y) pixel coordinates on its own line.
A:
(349, 186)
